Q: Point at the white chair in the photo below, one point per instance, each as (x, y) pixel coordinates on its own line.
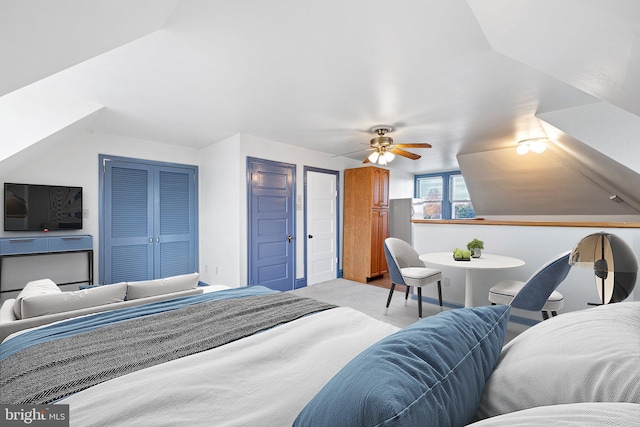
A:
(538, 292)
(405, 268)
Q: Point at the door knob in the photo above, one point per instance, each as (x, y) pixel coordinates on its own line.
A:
(310, 236)
(290, 238)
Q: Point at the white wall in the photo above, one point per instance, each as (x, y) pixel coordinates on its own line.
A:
(222, 190)
(74, 161)
(223, 206)
(400, 183)
(223, 202)
(534, 245)
(252, 146)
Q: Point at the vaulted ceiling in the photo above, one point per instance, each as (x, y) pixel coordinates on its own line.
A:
(469, 77)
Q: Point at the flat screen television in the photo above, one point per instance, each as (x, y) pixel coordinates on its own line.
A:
(30, 207)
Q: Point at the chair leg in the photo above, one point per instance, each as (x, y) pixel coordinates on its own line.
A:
(406, 294)
(545, 315)
(440, 292)
(393, 285)
(554, 313)
(420, 302)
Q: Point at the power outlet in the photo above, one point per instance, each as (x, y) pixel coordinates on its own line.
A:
(446, 281)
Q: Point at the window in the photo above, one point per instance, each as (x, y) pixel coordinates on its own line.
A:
(445, 194)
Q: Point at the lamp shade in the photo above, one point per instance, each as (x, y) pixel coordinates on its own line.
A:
(613, 262)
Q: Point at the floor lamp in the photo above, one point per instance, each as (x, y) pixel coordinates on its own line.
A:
(614, 264)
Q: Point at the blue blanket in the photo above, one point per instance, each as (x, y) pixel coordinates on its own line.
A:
(80, 353)
(67, 328)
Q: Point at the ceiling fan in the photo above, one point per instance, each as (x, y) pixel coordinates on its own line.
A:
(384, 150)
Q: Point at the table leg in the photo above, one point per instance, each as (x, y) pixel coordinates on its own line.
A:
(468, 289)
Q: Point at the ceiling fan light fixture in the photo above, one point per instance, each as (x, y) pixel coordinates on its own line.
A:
(373, 157)
(381, 141)
(384, 150)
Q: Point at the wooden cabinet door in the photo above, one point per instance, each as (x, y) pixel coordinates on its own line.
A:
(379, 232)
(366, 222)
(383, 225)
(380, 188)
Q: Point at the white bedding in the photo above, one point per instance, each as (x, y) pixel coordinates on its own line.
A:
(261, 380)
(590, 355)
(584, 414)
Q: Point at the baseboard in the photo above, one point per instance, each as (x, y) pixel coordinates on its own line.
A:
(436, 302)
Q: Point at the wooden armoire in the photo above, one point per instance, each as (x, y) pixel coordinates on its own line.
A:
(366, 222)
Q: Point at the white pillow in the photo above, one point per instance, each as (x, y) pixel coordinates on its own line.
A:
(150, 288)
(590, 355)
(36, 287)
(586, 414)
(40, 305)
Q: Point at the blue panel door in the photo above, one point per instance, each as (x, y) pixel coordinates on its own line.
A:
(174, 222)
(271, 224)
(128, 223)
(149, 221)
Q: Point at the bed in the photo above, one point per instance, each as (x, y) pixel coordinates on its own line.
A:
(253, 356)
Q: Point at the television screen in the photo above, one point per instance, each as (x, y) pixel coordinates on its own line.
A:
(29, 207)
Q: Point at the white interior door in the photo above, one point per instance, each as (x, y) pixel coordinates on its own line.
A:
(322, 234)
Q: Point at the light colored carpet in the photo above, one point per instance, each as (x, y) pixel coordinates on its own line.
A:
(371, 300)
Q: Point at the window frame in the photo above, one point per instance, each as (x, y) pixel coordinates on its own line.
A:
(447, 202)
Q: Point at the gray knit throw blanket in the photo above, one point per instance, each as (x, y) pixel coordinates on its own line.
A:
(52, 370)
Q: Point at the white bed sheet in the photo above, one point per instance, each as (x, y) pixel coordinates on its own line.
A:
(264, 379)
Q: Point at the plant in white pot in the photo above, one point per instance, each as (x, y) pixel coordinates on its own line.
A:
(475, 247)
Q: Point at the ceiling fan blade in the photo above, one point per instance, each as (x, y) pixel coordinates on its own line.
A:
(366, 160)
(397, 151)
(415, 145)
(355, 151)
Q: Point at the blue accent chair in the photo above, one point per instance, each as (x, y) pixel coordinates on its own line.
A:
(538, 293)
(405, 268)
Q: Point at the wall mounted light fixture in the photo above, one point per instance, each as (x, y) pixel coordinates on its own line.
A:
(537, 145)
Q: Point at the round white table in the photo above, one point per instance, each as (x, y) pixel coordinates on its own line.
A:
(485, 262)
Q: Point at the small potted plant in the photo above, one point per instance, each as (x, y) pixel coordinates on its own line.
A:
(475, 247)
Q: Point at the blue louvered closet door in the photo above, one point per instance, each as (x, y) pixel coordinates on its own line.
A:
(149, 221)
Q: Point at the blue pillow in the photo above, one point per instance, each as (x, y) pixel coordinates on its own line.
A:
(430, 373)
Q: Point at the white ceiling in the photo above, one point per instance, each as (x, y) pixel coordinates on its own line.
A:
(465, 76)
